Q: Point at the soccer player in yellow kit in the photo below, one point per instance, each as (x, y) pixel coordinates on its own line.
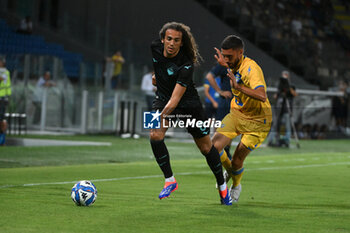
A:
(250, 114)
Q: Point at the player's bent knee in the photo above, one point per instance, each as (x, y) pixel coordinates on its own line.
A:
(218, 146)
(205, 149)
(220, 141)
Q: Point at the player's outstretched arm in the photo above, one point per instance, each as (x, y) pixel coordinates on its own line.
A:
(258, 93)
(175, 98)
(213, 84)
(211, 99)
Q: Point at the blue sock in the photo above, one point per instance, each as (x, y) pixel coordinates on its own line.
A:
(227, 149)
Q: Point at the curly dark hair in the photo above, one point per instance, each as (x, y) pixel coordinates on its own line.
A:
(189, 46)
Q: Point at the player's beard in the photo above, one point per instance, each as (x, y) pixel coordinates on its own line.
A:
(234, 65)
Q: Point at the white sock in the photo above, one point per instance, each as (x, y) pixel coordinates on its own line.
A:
(170, 179)
(223, 187)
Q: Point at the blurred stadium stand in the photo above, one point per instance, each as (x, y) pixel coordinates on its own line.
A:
(309, 37)
(12, 43)
(98, 30)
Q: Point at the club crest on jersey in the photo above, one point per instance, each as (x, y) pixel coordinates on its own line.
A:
(238, 77)
(170, 71)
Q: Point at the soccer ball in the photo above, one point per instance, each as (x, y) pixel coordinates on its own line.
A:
(84, 193)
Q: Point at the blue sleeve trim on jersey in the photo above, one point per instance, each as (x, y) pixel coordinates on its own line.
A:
(222, 152)
(182, 84)
(258, 87)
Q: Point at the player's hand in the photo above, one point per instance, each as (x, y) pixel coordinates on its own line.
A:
(154, 82)
(233, 79)
(226, 94)
(218, 56)
(215, 105)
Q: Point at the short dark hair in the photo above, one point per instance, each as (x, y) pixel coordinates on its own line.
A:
(232, 42)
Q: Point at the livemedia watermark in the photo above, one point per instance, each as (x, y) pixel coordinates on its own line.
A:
(152, 120)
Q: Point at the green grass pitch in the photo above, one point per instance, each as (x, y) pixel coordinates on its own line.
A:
(295, 190)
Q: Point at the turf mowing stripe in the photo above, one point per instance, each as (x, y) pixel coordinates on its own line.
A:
(181, 174)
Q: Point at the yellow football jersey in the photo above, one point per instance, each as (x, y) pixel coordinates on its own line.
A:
(250, 75)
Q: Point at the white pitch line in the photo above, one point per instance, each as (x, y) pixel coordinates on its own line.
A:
(255, 162)
(178, 174)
